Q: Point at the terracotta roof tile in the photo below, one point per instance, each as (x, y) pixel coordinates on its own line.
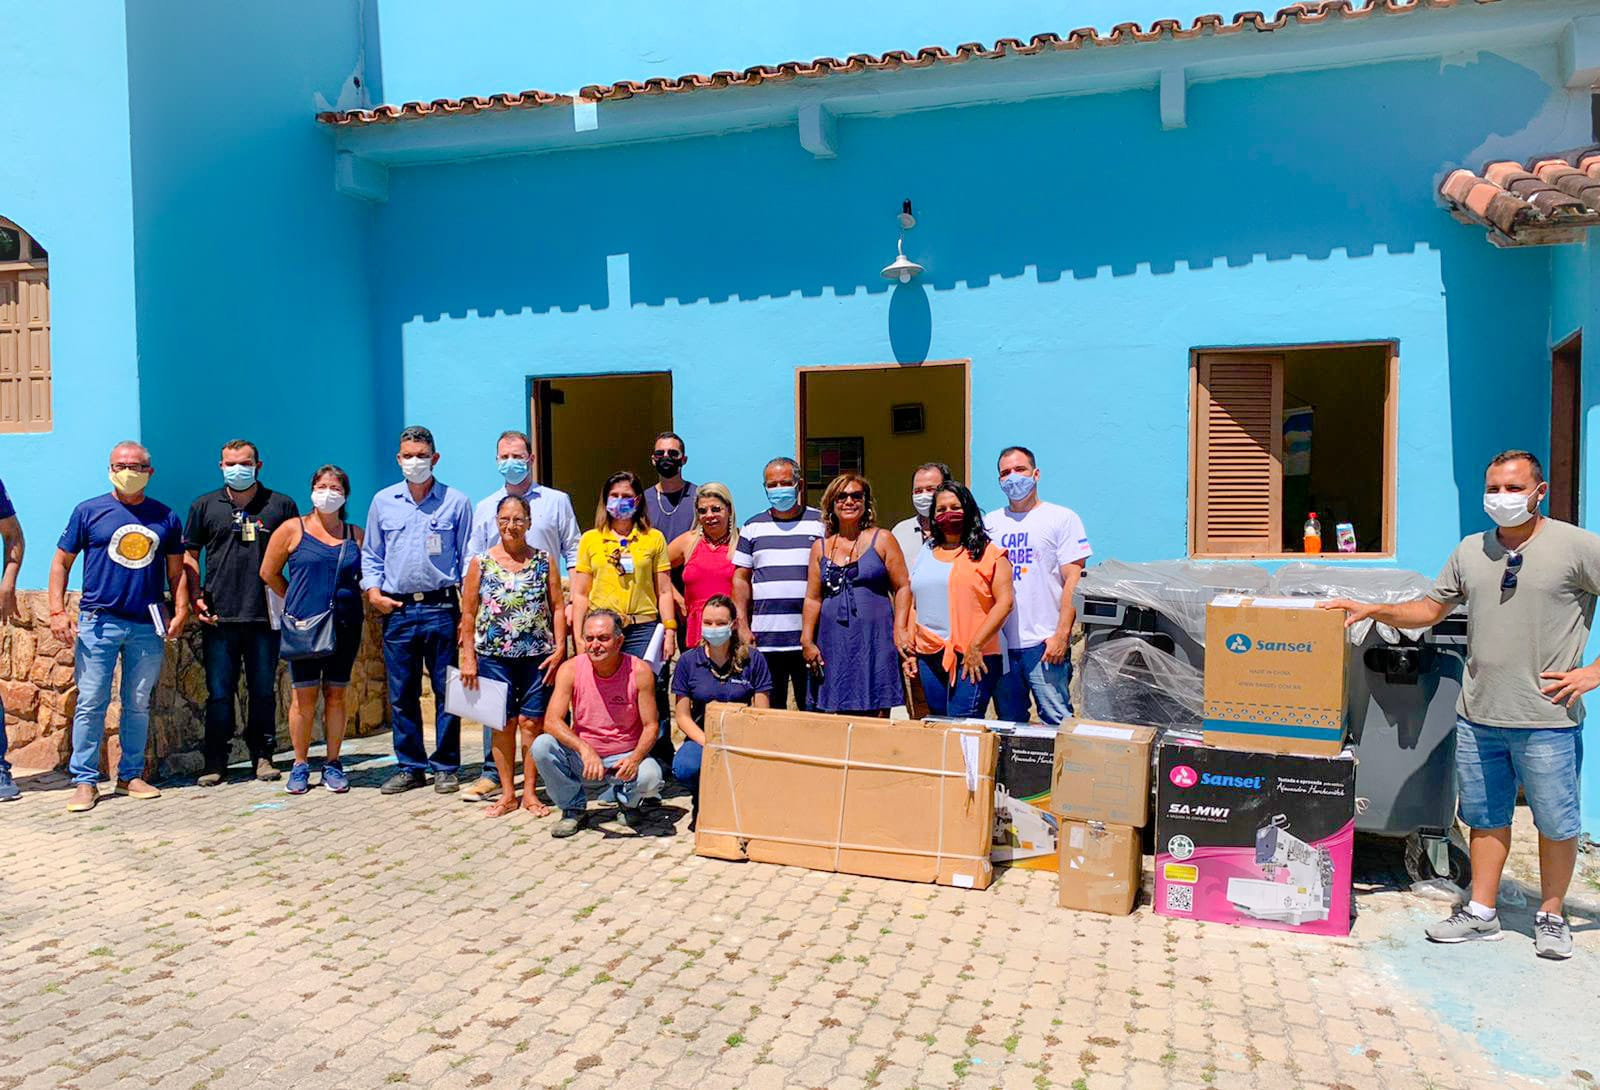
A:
(1548, 199)
(1302, 14)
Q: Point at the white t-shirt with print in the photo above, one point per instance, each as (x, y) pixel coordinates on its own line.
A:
(1038, 543)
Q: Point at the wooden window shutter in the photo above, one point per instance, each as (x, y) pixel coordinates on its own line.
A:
(1238, 457)
(25, 351)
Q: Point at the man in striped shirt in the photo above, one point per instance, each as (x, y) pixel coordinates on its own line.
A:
(769, 577)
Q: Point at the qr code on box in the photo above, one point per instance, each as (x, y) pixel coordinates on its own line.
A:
(1180, 898)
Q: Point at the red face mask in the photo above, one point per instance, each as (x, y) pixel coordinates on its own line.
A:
(950, 521)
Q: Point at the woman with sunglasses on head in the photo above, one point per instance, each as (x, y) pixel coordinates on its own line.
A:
(722, 666)
(513, 630)
(322, 553)
(623, 566)
(857, 600)
(962, 594)
(703, 556)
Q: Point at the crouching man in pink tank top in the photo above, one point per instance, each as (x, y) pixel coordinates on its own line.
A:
(611, 698)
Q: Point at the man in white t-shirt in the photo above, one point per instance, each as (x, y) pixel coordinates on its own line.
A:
(1047, 546)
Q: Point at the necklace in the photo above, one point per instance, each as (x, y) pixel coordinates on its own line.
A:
(661, 498)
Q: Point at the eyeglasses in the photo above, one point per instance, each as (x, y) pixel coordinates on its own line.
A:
(850, 497)
(1508, 581)
(513, 521)
(130, 465)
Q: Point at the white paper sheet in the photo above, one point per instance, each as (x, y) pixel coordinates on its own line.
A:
(486, 704)
(652, 654)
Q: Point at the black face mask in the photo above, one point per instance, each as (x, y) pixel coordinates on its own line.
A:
(668, 465)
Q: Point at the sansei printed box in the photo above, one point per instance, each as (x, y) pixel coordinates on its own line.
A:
(1259, 839)
(1275, 675)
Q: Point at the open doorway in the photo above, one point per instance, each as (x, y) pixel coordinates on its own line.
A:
(586, 427)
(1565, 431)
(882, 420)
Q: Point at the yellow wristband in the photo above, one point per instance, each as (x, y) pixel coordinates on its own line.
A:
(671, 626)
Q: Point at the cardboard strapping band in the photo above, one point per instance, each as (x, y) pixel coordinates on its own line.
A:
(844, 778)
(804, 842)
(835, 762)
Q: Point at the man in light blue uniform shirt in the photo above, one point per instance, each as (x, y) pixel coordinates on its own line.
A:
(553, 529)
(411, 566)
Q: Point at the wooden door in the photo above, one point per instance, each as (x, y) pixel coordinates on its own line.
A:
(1566, 429)
(24, 350)
(1238, 454)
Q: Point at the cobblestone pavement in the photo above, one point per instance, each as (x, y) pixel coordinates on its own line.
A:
(239, 937)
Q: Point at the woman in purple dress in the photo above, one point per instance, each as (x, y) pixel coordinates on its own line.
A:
(857, 598)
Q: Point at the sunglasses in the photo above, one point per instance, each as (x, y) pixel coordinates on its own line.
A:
(856, 496)
(1508, 581)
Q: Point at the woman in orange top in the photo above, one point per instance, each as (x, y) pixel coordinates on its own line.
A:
(961, 590)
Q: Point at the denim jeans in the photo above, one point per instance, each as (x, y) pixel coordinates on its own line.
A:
(227, 647)
(1031, 675)
(5, 765)
(1492, 761)
(561, 770)
(102, 641)
(636, 641)
(963, 700)
(418, 639)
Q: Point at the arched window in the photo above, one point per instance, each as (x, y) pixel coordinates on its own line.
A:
(24, 331)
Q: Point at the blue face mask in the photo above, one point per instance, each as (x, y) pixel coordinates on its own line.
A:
(621, 507)
(782, 497)
(239, 477)
(514, 470)
(716, 635)
(1018, 486)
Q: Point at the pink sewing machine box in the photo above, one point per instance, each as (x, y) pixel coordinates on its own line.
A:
(1257, 839)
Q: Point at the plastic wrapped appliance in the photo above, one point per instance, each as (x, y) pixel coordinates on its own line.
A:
(1144, 662)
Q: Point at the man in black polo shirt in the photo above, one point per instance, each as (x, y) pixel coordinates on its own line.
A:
(230, 527)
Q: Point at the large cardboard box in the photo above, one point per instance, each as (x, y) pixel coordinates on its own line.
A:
(1024, 827)
(1102, 773)
(1275, 675)
(1260, 839)
(1102, 867)
(891, 799)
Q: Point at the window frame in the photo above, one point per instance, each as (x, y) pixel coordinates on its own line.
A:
(27, 262)
(1391, 418)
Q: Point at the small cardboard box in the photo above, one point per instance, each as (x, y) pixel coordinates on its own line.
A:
(1024, 828)
(1102, 773)
(1259, 839)
(1275, 675)
(890, 799)
(1102, 867)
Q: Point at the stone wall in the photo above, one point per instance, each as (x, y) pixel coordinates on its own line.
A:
(36, 684)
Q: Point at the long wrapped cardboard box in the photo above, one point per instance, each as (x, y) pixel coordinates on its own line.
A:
(890, 799)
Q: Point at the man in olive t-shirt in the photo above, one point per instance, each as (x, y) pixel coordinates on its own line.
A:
(1529, 588)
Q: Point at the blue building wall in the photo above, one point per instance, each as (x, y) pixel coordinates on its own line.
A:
(1074, 251)
(65, 177)
(253, 288)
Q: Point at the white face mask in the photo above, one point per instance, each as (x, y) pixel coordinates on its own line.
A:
(417, 470)
(1508, 508)
(923, 502)
(327, 500)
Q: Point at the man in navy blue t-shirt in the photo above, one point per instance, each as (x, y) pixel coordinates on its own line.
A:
(133, 549)
(11, 535)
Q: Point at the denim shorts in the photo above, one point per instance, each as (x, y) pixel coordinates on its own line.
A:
(526, 693)
(1492, 761)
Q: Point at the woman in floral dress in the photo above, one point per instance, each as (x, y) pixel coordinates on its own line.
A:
(514, 630)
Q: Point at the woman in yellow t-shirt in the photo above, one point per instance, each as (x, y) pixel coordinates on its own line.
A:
(623, 566)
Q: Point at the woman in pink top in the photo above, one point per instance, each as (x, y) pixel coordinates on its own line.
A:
(704, 555)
